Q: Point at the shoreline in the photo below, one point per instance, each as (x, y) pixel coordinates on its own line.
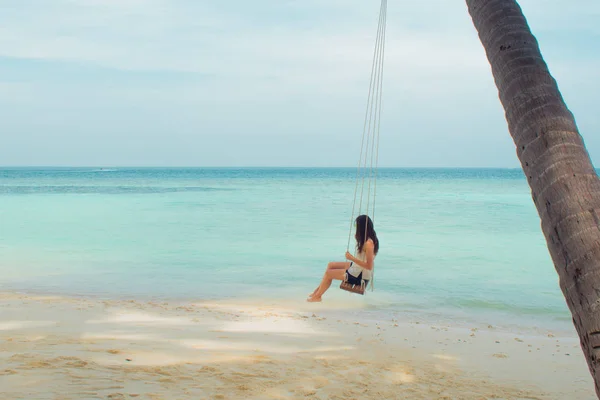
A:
(375, 308)
(252, 349)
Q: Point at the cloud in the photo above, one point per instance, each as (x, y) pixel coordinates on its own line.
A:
(190, 37)
(291, 69)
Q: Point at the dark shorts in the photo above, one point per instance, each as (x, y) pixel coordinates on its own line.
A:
(355, 280)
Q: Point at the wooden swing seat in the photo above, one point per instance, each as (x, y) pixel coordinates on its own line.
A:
(358, 289)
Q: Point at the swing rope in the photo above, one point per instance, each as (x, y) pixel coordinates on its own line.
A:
(371, 130)
(379, 117)
(372, 123)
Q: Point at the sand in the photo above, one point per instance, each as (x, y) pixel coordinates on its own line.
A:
(82, 348)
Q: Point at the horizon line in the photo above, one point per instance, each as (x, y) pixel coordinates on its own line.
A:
(253, 167)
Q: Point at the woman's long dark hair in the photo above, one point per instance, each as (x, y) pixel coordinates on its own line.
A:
(364, 232)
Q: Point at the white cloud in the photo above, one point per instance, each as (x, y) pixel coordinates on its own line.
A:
(166, 36)
(274, 65)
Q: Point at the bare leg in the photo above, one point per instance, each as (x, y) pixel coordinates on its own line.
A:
(332, 265)
(334, 271)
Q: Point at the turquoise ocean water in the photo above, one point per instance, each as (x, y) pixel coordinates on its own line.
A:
(455, 244)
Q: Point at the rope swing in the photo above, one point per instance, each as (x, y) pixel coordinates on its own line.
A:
(366, 173)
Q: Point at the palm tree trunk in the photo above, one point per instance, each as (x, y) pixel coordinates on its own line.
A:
(564, 184)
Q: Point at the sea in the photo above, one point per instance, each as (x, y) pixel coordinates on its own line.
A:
(456, 245)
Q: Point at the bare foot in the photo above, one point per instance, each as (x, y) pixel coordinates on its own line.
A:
(314, 299)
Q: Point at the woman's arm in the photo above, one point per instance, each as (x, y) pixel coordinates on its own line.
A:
(369, 248)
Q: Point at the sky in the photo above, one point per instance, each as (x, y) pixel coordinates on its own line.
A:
(269, 82)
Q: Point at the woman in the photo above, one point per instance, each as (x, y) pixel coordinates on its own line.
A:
(356, 269)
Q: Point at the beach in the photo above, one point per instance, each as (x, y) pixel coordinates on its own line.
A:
(190, 283)
(54, 347)
(180, 182)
